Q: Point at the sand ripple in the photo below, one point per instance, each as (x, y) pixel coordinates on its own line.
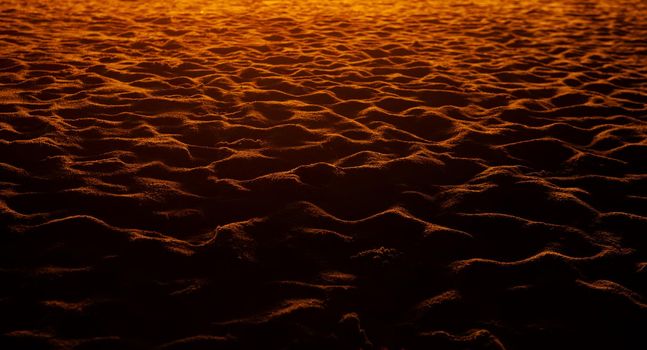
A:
(323, 175)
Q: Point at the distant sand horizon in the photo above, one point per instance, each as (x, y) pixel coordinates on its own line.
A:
(343, 174)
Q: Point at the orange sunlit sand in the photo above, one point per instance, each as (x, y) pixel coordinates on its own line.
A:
(323, 174)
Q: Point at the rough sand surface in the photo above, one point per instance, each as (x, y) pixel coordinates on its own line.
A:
(323, 175)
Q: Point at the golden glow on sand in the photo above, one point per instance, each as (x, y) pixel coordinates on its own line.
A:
(323, 174)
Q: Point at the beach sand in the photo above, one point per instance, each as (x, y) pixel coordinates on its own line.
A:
(323, 174)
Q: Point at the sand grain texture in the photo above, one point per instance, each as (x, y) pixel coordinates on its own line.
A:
(323, 174)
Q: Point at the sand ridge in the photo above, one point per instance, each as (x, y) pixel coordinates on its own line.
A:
(323, 175)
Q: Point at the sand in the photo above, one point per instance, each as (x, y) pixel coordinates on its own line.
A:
(323, 174)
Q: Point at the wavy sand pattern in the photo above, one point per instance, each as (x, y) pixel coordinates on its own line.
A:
(323, 175)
